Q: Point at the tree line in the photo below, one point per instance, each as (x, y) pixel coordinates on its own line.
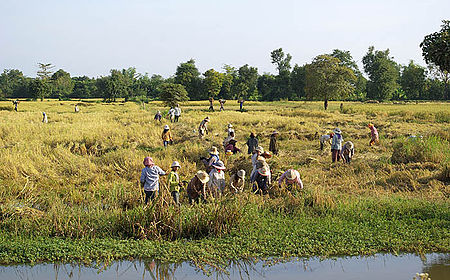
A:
(331, 76)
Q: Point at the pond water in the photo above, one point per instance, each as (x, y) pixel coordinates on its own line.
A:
(379, 266)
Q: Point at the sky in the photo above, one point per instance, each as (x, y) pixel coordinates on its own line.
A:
(91, 37)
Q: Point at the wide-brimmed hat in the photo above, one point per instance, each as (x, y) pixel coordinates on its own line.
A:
(229, 125)
(207, 119)
(175, 164)
(259, 149)
(369, 125)
(264, 170)
(291, 174)
(241, 173)
(349, 145)
(337, 130)
(219, 165)
(202, 176)
(148, 161)
(274, 132)
(166, 127)
(214, 150)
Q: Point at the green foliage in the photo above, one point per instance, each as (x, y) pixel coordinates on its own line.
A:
(172, 94)
(327, 79)
(413, 80)
(62, 84)
(298, 81)
(383, 74)
(40, 89)
(188, 75)
(212, 82)
(13, 84)
(436, 47)
(282, 62)
(245, 84)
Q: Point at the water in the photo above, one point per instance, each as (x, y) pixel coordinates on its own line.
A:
(367, 268)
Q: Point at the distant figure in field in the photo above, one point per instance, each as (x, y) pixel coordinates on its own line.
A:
(241, 104)
(158, 116)
(44, 117)
(341, 108)
(326, 138)
(171, 114)
(252, 143)
(374, 135)
(203, 128)
(150, 179)
(15, 103)
(273, 147)
(173, 181)
(77, 109)
(177, 113)
(325, 104)
(211, 103)
(237, 182)
(197, 187)
(336, 145)
(348, 150)
(166, 136)
(290, 178)
(216, 182)
(222, 102)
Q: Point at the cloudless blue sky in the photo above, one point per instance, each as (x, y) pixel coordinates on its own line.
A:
(91, 37)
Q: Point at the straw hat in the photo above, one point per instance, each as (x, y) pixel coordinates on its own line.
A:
(259, 149)
(228, 152)
(229, 125)
(213, 150)
(148, 161)
(175, 164)
(219, 165)
(241, 173)
(291, 174)
(207, 119)
(166, 127)
(202, 176)
(337, 130)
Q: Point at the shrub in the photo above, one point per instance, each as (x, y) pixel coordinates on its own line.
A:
(430, 149)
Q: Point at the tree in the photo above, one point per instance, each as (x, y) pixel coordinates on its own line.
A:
(412, 80)
(443, 76)
(84, 87)
(298, 81)
(212, 82)
(45, 71)
(265, 86)
(40, 89)
(114, 86)
(383, 74)
(327, 78)
(12, 83)
(346, 59)
(282, 85)
(43, 89)
(62, 84)
(282, 62)
(245, 84)
(172, 94)
(188, 75)
(436, 47)
(228, 78)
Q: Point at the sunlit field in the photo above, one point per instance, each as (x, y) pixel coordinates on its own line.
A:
(77, 176)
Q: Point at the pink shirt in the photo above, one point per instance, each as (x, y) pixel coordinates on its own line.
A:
(296, 181)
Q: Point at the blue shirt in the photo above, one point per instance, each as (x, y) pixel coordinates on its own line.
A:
(150, 177)
(336, 144)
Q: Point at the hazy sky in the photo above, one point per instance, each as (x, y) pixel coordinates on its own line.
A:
(91, 37)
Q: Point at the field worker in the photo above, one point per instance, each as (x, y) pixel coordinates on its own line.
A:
(241, 104)
(290, 178)
(171, 114)
(150, 179)
(197, 187)
(325, 139)
(76, 108)
(374, 135)
(273, 147)
(44, 117)
(336, 145)
(262, 177)
(227, 140)
(222, 102)
(213, 158)
(177, 113)
(216, 182)
(158, 116)
(230, 129)
(348, 150)
(15, 103)
(325, 104)
(232, 147)
(252, 143)
(203, 128)
(211, 103)
(166, 136)
(173, 181)
(237, 182)
(258, 151)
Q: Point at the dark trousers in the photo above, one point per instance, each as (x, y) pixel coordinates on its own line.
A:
(261, 182)
(176, 197)
(149, 195)
(335, 155)
(211, 108)
(176, 118)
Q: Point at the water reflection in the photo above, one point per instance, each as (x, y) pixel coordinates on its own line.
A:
(375, 267)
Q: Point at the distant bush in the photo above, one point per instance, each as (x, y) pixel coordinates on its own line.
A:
(430, 149)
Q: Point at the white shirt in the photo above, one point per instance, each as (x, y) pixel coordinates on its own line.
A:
(177, 111)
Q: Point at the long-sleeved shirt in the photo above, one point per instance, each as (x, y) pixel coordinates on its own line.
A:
(177, 111)
(273, 147)
(203, 127)
(325, 138)
(348, 149)
(196, 188)
(236, 184)
(173, 181)
(150, 177)
(336, 143)
(373, 132)
(216, 179)
(296, 181)
(166, 135)
(252, 143)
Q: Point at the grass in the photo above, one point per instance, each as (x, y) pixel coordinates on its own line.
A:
(69, 189)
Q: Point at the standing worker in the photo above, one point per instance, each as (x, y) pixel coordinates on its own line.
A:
(241, 104)
(252, 143)
(15, 103)
(203, 128)
(76, 108)
(177, 113)
(273, 147)
(216, 182)
(374, 135)
(166, 136)
(211, 102)
(222, 102)
(150, 179)
(158, 116)
(171, 114)
(336, 145)
(44, 117)
(173, 181)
